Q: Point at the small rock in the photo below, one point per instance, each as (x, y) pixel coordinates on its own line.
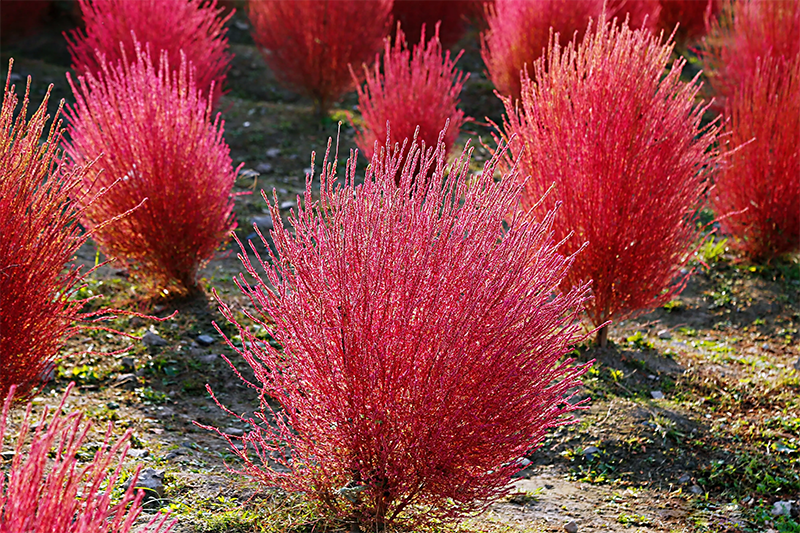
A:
(652, 377)
(248, 173)
(208, 358)
(591, 451)
(797, 365)
(264, 168)
(664, 334)
(782, 508)
(236, 432)
(307, 170)
(112, 405)
(273, 152)
(127, 381)
(128, 364)
(242, 25)
(289, 204)
(695, 489)
(263, 222)
(205, 340)
(138, 454)
(153, 339)
(657, 395)
(684, 479)
(48, 373)
(152, 483)
(765, 347)
(571, 527)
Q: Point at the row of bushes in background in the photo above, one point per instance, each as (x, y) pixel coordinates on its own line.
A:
(414, 247)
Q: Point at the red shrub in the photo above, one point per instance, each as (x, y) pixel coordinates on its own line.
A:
(620, 137)
(20, 17)
(422, 341)
(309, 44)
(748, 31)
(40, 235)
(195, 27)
(152, 130)
(519, 31)
(693, 17)
(415, 89)
(453, 15)
(38, 495)
(761, 178)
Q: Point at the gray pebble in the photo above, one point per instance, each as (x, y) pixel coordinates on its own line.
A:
(263, 222)
(657, 395)
(264, 168)
(205, 340)
(571, 527)
(664, 334)
(153, 339)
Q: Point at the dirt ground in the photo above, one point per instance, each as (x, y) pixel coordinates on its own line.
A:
(694, 417)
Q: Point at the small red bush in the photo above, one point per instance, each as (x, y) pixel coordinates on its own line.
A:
(152, 131)
(692, 17)
(746, 32)
(621, 139)
(418, 88)
(422, 342)
(20, 17)
(452, 14)
(39, 495)
(760, 182)
(519, 31)
(309, 44)
(40, 235)
(194, 27)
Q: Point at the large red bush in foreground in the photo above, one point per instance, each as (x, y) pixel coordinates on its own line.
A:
(309, 44)
(45, 490)
(194, 27)
(422, 342)
(40, 235)
(153, 132)
(418, 88)
(519, 31)
(620, 137)
(760, 180)
(746, 32)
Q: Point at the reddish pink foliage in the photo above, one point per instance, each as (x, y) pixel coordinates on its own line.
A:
(748, 31)
(20, 17)
(639, 13)
(761, 179)
(519, 31)
(38, 224)
(422, 342)
(452, 14)
(693, 17)
(39, 495)
(309, 44)
(415, 89)
(153, 132)
(194, 27)
(620, 137)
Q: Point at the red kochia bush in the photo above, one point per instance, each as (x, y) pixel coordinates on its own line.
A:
(38, 224)
(453, 15)
(415, 89)
(519, 31)
(422, 342)
(40, 495)
(760, 181)
(309, 44)
(748, 31)
(152, 130)
(692, 17)
(194, 27)
(621, 139)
